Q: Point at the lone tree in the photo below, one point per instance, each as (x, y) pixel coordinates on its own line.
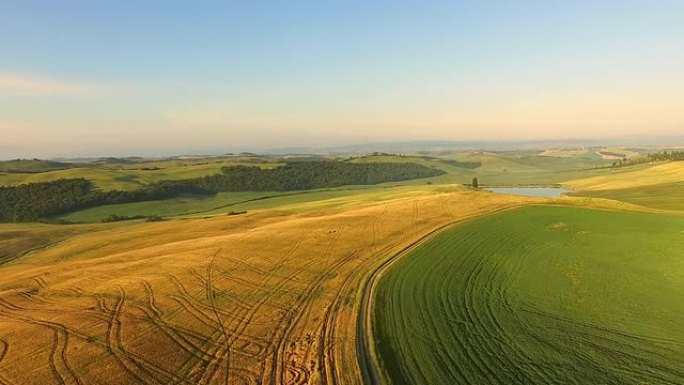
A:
(475, 183)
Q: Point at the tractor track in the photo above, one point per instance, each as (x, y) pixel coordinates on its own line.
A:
(370, 368)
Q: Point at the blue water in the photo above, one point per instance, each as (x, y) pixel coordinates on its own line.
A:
(550, 192)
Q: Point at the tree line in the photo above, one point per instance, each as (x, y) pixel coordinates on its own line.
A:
(41, 201)
(671, 156)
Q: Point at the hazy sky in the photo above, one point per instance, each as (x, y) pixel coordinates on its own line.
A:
(130, 77)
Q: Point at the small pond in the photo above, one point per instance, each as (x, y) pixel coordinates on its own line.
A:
(550, 192)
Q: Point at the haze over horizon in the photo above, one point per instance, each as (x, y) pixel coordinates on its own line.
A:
(84, 78)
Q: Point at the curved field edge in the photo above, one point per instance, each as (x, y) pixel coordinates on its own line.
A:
(497, 324)
(371, 368)
(267, 297)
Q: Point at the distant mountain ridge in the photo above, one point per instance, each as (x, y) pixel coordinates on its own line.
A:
(402, 147)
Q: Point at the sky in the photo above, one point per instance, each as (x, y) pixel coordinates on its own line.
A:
(91, 78)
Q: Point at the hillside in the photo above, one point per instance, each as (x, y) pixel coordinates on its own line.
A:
(271, 295)
(537, 295)
(264, 297)
(125, 177)
(630, 177)
(659, 186)
(43, 201)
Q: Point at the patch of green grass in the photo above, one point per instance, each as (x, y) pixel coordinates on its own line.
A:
(181, 205)
(538, 295)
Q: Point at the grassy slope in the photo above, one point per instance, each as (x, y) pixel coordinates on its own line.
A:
(519, 167)
(564, 152)
(504, 168)
(667, 196)
(630, 177)
(658, 186)
(223, 203)
(182, 205)
(128, 177)
(18, 239)
(513, 168)
(30, 166)
(538, 295)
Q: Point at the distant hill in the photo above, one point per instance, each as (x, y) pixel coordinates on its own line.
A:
(32, 166)
(438, 146)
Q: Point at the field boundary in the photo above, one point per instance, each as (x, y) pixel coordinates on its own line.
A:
(365, 344)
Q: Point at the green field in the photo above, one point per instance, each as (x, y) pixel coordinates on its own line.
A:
(181, 205)
(538, 295)
(668, 196)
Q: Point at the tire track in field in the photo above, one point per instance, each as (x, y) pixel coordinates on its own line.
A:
(491, 343)
(266, 276)
(203, 283)
(102, 303)
(497, 287)
(446, 208)
(365, 348)
(255, 287)
(59, 364)
(280, 363)
(40, 281)
(248, 319)
(177, 336)
(236, 300)
(327, 274)
(475, 305)
(480, 330)
(194, 306)
(154, 318)
(329, 369)
(277, 288)
(139, 367)
(135, 366)
(113, 349)
(223, 355)
(326, 355)
(464, 329)
(4, 348)
(365, 343)
(374, 232)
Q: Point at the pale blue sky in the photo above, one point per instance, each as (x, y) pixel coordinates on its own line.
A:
(125, 77)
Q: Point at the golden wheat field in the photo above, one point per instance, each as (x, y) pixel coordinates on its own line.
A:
(264, 298)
